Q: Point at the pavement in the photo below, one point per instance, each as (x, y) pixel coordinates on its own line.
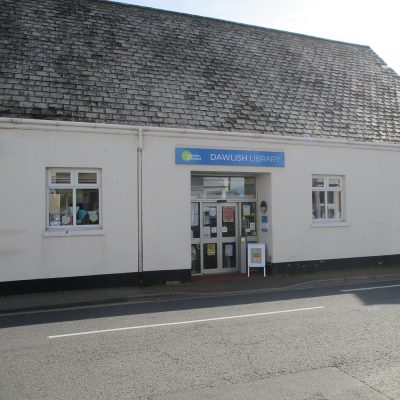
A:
(199, 286)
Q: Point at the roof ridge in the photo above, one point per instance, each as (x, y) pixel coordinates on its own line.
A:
(234, 23)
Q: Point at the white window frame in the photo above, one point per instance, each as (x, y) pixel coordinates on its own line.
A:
(326, 188)
(73, 185)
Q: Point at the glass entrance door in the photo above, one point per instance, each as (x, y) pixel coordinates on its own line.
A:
(219, 237)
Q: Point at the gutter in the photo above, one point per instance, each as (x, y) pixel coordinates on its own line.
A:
(189, 133)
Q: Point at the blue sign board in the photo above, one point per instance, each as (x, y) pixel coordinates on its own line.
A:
(249, 158)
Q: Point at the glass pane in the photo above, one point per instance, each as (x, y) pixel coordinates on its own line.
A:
(318, 204)
(210, 256)
(87, 207)
(223, 187)
(229, 255)
(87, 178)
(248, 222)
(338, 202)
(237, 187)
(209, 222)
(59, 178)
(335, 207)
(330, 197)
(250, 187)
(196, 258)
(315, 205)
(195, 218)
(60, 207)
(242, 187)
(196, 187)
(317, 182)
(215, 187)
(334, 182)
(228, 221)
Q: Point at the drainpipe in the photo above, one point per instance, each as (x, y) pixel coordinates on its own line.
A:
(140, 207)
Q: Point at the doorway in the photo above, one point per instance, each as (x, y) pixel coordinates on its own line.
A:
(223, 218)
(216, 250)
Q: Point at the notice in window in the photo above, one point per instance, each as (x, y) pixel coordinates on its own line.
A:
(246, 210)
(211, 249)
(229, 250)
(54, 203)
(228, 214)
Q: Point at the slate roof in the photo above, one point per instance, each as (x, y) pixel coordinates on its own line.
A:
(97, 61)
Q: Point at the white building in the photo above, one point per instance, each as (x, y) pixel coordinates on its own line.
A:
(138, 144)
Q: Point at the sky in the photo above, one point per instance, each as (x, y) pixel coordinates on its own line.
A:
(375, 23)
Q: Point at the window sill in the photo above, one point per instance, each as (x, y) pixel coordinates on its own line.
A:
(73, 232)
(328, 224)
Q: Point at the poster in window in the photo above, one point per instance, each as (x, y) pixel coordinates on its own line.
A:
(211, 249)
(229, 250)
(246, 210)
(228, 213)
(54, 203)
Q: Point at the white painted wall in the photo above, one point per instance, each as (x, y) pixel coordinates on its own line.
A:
(372, 198)
(25, 252)
(372, 204)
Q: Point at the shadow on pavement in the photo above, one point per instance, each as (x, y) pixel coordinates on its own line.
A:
(164, 303)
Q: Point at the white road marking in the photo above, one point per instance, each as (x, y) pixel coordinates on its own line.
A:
(185, 322)
(369, 288)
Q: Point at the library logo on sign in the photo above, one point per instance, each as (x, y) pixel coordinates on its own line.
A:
(188, 156)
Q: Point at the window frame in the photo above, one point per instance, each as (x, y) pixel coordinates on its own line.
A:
(74, 185)
(325, 189)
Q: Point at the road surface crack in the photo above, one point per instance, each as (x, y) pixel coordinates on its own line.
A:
(365, 383)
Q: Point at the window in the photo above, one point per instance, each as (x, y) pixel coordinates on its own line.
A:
(73, 198)
(327, 198)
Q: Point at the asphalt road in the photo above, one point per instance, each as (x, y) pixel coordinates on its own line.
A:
(309, 344)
